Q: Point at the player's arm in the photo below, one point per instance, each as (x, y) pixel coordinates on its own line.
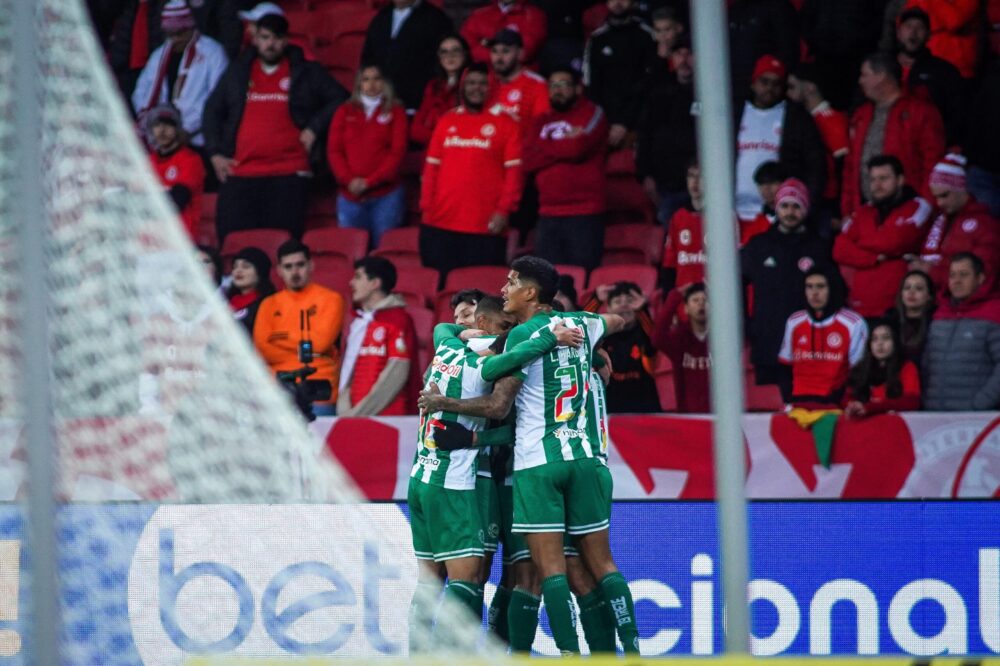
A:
(493, 406)
(526, 351)
(454, 436)
(612, 324)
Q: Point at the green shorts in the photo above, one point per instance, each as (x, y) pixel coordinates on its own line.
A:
(444, 523)
(604, 474)
(489, 512)
(572, 497)
(515, 548)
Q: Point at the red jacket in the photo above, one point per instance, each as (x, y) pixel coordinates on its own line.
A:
(566, 151)
(439, 98)
(688, 355)
(914, 133)
(473, 170)
(524, 98)
(972, 229)
(369, 148)
(487, 21)
(954, 31)
(879, 402)
(684, 248)
(183, 167)
(865, 236)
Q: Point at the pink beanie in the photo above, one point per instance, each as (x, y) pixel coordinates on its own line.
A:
(176, 17)
(949, 172)
(795, 190)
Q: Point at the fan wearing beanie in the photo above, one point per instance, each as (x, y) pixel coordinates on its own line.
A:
(180, 169)
(251, 283)
(962, 225)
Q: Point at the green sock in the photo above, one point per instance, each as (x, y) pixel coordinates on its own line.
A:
(822, 432)
(422, 610)
(522, 620)
(562, 613)
(457, 593)
(619, 599)
(497, 614)
(468, 594)
(598, 629)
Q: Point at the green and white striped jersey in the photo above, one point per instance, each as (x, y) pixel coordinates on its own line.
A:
(599, 447)
(480, 345)
(457, 370)
(556, 419)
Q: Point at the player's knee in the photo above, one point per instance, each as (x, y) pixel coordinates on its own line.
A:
(580, 581)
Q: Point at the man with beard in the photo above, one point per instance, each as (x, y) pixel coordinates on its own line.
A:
(517, 91)
(878, 237)
(565, 150)
(179, 167)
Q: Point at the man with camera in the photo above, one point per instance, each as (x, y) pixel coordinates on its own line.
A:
(297, 330)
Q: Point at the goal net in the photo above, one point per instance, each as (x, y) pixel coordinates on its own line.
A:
(197, 513)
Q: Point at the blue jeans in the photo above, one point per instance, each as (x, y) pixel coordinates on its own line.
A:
(376, 215)
(985, 186)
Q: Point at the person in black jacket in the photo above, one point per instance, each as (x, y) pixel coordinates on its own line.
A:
(564, 42)
(265, 119)
(927, 76)
(666, 131)
(617, 58)
(757, 27)
(769, 127)
(402, 40)
(775, 264)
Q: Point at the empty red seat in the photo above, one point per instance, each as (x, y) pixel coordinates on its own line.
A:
(423, 325)
(578, 273)
(641, 274)
(488, 278)
(404, 238)
(417, 281)
(621, 163)
(628, 202)
(633, 243)
(338, 279)
(352, 244)
(268, 240)
(339, 30)
(666, 390)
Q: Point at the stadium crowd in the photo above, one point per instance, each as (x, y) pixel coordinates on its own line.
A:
(382, 163)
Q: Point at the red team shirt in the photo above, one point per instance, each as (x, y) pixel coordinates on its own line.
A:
(183, 167)
(473, 170)
(383, 342)
(685, 247)
(267, 143)
(832, 126)
(523, 98)
(821, 353)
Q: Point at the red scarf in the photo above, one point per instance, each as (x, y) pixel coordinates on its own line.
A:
(239, 301)
(190, 51)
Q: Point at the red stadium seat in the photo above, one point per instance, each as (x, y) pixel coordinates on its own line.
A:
(765, 398)
(400, 258)
(402, 239)
(442, 305)
(337, 279)
(268, 240)
(417, 281)
(339, 30)
(488, 278)
(593, 18)
(642, 274)
(578, 273)
(633, 244)
(666, 390)
(423, 324)
(621, 163)
(332, 262)
(628, 202)
(352, 244)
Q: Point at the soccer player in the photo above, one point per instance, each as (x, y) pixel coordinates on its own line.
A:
(558, 485)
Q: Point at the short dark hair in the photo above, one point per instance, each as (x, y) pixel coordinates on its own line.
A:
(623, 288)
(540, 272)
(275, 23)
(696, 288)
(771, 171)
(477, 68)
(293, 246)
(468, 296)
(489, 305)
(885, 63)
(886, 160)
(807, 71)
(378, 268)
(665, 14)
(566, 68)
(977, 264)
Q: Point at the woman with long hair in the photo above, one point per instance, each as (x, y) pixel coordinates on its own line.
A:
(912, 313)
(884, 380)
(441, 93)
(250, 284)
(366, 147)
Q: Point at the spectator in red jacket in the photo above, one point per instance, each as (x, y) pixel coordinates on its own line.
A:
(517, 91)
(565, 150)
(685, 343)
(441, 93)
(379, 375)
(472, 182)
(884, 380)
(366, 145)
(890, 123)
(684, 249)
(955, 31)
(964, 225)
(518, 15)
(879, 238)
(179, 167)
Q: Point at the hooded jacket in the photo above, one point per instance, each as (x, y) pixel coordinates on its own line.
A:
(961, 363)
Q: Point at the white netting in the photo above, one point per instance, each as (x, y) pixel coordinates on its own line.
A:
(159, 399)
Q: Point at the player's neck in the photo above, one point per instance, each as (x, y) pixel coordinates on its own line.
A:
(530, 310)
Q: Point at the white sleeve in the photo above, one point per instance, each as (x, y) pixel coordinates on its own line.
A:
(785, 353)
(144, 86)
(859, 338)
(595, 329)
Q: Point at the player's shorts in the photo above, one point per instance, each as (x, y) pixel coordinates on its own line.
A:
(569, 548)
(489, 512)
(515, 548)
(444, 523)
(571, 496)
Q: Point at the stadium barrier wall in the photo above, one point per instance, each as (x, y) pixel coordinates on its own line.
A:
(842, 578)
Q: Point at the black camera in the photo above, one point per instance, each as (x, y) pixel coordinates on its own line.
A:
(305, 391)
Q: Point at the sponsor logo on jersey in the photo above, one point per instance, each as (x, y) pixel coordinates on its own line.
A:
(446, 368)
(459, 142)
(285, 83)
(488, 130)
(688, 258)
(378, 335)
(685, 236)
(171, 173)
(804, 355)
(427, 461)
(968, 226)
(372, 350)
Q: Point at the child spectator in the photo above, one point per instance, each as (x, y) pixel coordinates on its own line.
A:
(684, 250)
(685, 343)
(441, 93)
(250, 284)
(768, 178)
(366, 146)
(884, 380)
(912, 313)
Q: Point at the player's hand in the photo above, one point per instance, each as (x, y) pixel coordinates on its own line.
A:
(307, 138)
(452, 436)
(602, 292)
(223, 166)
(471, 333)
(498, 223)
(854, 410)
(616, 135)
(608, 366)
(919, 265)
(429, 400)
(637, 300)
(566, 336)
